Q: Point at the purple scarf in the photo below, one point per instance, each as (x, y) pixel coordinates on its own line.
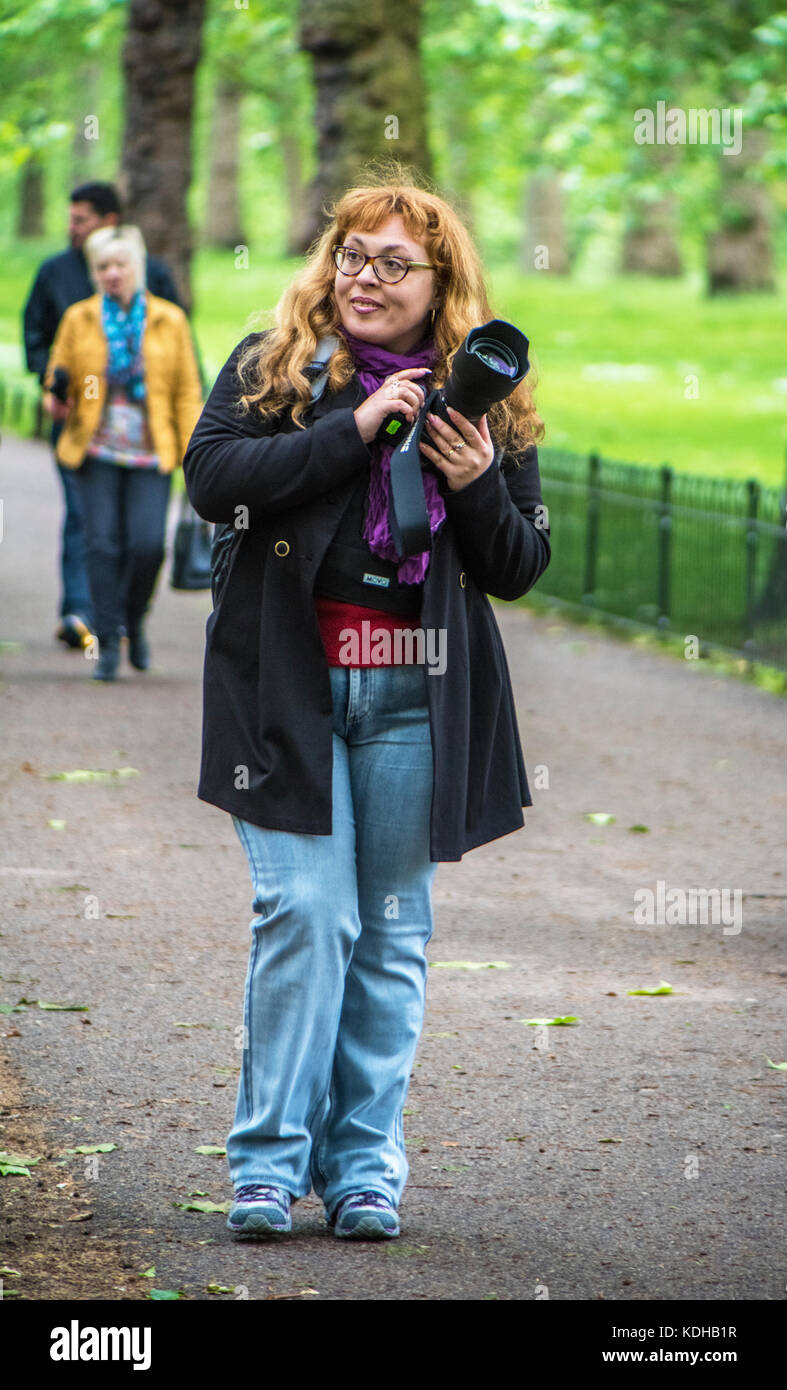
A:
(373, 365)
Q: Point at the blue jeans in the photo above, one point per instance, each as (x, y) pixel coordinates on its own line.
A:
(337, 970)
(125, 517)
(75, 590)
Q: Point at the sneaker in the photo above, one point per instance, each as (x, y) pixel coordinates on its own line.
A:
(259, 1210)
(73, 631)
(365, 1216)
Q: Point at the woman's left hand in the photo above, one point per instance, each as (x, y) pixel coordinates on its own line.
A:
(463, 452)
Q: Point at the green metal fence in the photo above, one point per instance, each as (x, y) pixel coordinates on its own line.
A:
(20, 407)
(705, 557)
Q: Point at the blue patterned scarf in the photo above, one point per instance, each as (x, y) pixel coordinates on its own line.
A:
(124, 330)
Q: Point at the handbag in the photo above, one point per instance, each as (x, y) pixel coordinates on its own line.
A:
(191, 568)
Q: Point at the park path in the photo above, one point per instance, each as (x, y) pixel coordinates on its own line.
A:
(634, 1156)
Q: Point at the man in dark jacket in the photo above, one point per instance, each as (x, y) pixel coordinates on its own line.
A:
(61, 281)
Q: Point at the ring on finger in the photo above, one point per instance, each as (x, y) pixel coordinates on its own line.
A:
(460, 446)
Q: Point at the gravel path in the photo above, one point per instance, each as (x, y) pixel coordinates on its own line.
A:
(630, 1157)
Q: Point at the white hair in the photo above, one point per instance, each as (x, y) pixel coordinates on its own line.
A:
(107, 240)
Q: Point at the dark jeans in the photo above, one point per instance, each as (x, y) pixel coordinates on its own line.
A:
(125, 512)
(75, 590)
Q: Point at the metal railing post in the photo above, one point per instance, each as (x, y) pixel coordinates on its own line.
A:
(665, 545)
(591, 534)
(752, 538)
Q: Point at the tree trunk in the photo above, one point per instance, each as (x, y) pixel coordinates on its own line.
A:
(544, 244)
(298, 225)
(650, 237)
(222, 218)
(650, 240)
(30, 209)
(88, 134)
(740, 253)
(370, 100)
(160, 55)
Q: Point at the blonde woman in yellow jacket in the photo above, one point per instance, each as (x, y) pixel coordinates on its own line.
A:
(123, 377)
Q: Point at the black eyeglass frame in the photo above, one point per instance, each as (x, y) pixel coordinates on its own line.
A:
(425, 265)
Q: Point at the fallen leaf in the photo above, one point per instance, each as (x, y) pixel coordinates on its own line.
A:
(211, 1149)
(164, 1295)
(275, 1297)
(82, 774)
(640, 829)
(63, 1008)
(148, 1273)
(562, 1020)
(610, 1141)
(470, 964)
(16, 1165)
(203, 1206)
(662, 988)
(80, 1216)
(56, 824)
(600, 817)
(777, 1066)
(92, 1149)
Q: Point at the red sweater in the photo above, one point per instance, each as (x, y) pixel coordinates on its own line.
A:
(357, 636)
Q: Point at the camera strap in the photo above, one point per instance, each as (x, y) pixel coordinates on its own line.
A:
(408, 515)
(407, 512)
(317, 369)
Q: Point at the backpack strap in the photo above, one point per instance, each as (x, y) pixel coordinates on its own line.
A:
(225, 535)
(317, 370)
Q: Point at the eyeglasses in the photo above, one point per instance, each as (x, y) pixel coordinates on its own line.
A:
(389, 269)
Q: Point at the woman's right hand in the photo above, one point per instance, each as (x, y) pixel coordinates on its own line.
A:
(55, 407)
(398, 395)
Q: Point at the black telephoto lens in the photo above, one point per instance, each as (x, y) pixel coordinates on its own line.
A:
(487, 367)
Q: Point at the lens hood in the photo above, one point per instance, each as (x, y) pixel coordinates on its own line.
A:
(487, 367)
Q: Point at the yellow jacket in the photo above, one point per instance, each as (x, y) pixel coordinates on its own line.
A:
(173, 394)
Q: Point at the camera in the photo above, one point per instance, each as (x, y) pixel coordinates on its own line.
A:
(487, 367)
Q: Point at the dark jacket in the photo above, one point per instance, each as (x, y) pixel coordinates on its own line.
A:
(267, 738)
(62, 281)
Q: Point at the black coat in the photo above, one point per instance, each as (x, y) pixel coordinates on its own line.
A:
(267, 697)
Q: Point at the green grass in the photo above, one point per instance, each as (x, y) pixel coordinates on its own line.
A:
(613, 360)
(612, 357)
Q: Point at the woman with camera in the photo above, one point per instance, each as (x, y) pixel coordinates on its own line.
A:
(349, 779)
(123, 377)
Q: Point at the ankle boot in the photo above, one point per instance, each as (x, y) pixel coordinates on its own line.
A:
(138, 649)
(108, 658)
